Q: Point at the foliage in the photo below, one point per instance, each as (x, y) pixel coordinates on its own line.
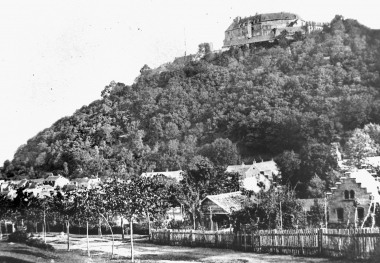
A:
(202, 180)
(275, 209)
(359, 146)
(35, 242)
(316, 187)
(18, 237)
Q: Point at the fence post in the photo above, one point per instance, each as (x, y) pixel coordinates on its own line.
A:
(191, 238)
(320, 233)
(216, 238)
(245, 240)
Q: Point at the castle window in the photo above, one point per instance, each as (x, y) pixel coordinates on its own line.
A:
(346, 194)
(352, 194)
(339, 213)
(360, 212)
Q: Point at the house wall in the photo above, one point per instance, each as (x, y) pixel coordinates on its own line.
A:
(337, 200)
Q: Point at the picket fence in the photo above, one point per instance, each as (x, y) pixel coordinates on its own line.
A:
(349, 243)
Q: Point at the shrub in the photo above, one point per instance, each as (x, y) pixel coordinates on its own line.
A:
(34, 242)
(18, 237)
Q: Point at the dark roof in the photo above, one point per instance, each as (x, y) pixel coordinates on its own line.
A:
(228, 202)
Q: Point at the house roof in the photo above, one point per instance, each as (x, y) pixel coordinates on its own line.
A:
(374, 161)
(81, 180)
(228, 202)
(170, 174)
(366, 180)
(240, 169)
(53, 177)
(38, 180)
(267, 167)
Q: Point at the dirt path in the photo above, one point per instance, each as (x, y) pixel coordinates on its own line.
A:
(148, 252)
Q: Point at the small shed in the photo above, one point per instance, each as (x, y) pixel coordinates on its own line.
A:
(216, 209)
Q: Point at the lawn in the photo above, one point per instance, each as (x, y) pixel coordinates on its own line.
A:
(145, 252)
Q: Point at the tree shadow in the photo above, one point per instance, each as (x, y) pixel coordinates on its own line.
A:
(4, 259)
(27, 253)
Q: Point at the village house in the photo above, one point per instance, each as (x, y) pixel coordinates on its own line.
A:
(216, 209)
(56, 181)
(175, 175)
(5, 187)
(38, 181)
(86, 183)
(256, 176)
(355, 196)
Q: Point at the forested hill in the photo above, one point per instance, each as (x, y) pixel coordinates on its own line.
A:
(238, 105)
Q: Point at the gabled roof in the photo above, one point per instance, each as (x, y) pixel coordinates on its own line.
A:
(54, 177)
(374, 160)
(81, 180)
(38, 180)
(366, 180)
(267, 167)
(228, 202)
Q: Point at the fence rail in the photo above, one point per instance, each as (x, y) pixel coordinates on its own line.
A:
(353, 243)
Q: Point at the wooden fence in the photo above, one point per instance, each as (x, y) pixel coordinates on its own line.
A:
(353, 243)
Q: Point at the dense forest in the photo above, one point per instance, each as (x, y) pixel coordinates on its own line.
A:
(290, 100)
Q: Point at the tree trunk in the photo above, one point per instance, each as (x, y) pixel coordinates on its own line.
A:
(149, 229)
(111, 233)
(122, 229)
(88, 242)
(100, 227)
(194, 216)
(1, 232)
(68, 235)
(131, 226)
(36, 227)
(44, 228)
(369, 212)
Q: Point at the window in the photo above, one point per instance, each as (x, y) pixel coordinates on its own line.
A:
(360, 212)
(339, 213)
(352, 194)
(346, 194)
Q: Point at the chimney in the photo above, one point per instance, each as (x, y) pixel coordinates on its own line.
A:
(254, 161)
(242, 164)
(167, 170)
(152, 171)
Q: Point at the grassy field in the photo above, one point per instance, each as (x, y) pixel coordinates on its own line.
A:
(145, 252)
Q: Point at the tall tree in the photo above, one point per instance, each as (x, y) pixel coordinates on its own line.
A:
(359, 146)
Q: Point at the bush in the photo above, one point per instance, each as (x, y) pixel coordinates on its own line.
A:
(18, 237)
(33, 242)
(22, 237)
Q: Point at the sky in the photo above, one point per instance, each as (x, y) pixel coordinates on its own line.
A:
(56, 56)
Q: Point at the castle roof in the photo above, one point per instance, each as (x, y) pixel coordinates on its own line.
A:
(263, 18)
